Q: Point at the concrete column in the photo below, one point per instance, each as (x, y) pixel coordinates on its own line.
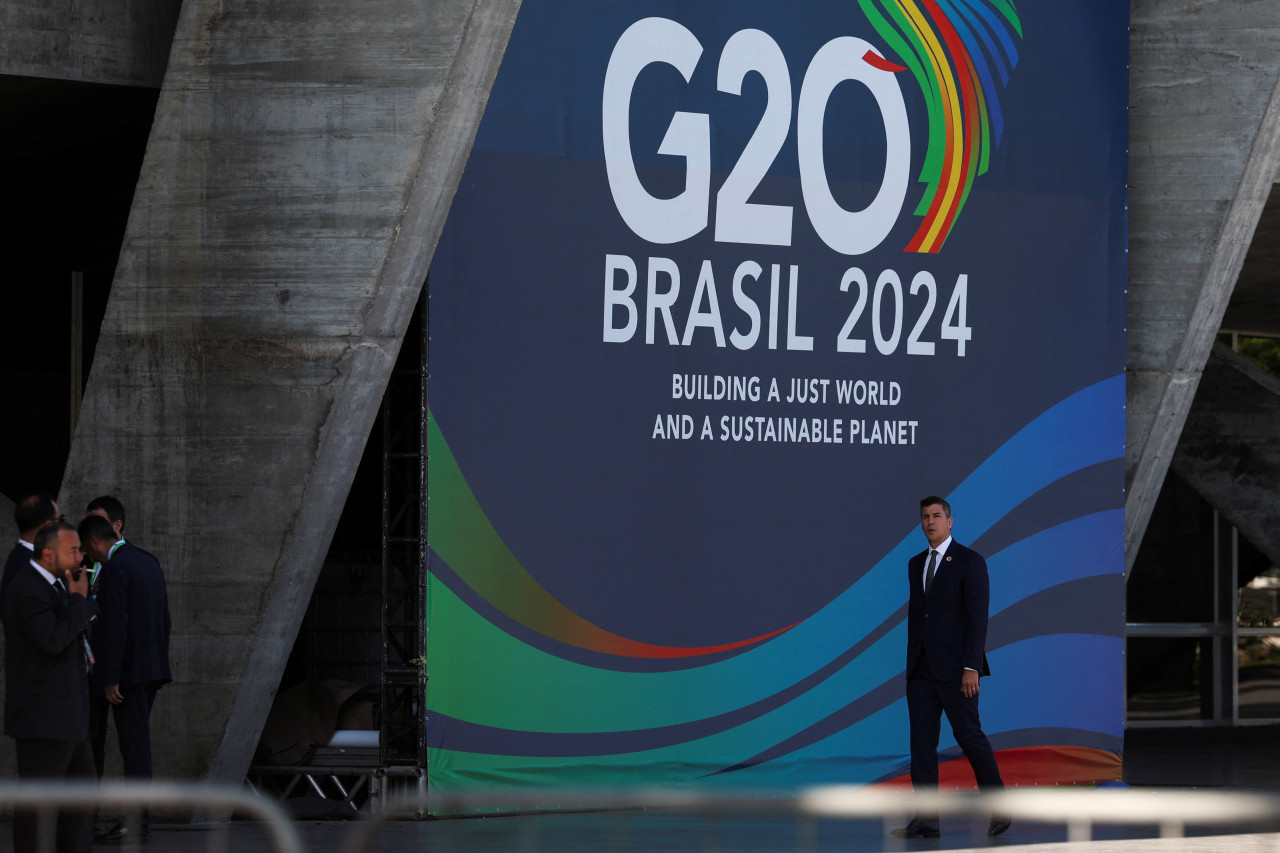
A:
(1204, 150)
(298, 174)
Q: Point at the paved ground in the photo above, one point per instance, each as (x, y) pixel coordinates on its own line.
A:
(1243, 759)
(652, 833)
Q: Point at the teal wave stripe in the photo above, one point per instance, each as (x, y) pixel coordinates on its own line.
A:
(481, 674)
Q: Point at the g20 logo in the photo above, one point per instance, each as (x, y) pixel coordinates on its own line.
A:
(947, 62)
(689, 136)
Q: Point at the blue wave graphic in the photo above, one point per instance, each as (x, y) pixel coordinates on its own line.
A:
(762, 684)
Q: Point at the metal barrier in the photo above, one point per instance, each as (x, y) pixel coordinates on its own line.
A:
(47, 798)
(1078, 810)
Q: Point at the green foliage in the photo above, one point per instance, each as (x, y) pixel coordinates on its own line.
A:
(1253, 618)
(1264, 352)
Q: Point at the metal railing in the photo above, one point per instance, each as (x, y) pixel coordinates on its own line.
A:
(1078, 810)
(46, 799)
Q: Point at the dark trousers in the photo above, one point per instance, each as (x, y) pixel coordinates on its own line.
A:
(927, 700)
(133, 726)
(42, 759)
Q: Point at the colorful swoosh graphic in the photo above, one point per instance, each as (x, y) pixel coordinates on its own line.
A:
(506, 710)
(463, 537)
(1028, 766)
(954, 49)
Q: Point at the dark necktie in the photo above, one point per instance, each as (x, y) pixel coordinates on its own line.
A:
(933, 568)
(62, 591)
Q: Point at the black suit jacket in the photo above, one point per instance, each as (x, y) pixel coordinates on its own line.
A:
(19, 558)
(950, 623)
(46, 686)
(132, 641)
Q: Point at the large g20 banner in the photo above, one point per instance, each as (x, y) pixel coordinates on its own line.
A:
(726, 289)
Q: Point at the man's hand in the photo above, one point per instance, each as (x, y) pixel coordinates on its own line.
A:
(113, 694)
(77, 582)
(969, 683)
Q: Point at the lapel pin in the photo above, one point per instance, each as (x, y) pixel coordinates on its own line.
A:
(948, 559)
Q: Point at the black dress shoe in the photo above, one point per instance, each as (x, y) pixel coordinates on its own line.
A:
(119, 834)
(999, 825)
(918, 829)
(115, 833)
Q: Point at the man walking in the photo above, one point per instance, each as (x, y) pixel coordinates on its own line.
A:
(946, 656)
(46, 708)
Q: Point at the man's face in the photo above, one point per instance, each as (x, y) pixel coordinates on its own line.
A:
(936, 524)
(117, 526)
(63, 555)
(94, 548)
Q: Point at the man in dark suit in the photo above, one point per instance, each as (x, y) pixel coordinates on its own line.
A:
(46, 707)
(132, 644)
(110, 508)
(946, 656)
(31, 513)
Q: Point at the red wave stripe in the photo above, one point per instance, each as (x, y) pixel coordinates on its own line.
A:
(970, 116)
(1030, 766)
(959, 147)
(875, 60)
(609, 643)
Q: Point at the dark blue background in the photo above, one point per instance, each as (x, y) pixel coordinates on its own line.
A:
(699, 542)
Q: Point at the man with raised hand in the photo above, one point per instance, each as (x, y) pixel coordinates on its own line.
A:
(47, 660)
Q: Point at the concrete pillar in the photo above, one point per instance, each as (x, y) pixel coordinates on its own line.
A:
(303, 158)
(1204, 150)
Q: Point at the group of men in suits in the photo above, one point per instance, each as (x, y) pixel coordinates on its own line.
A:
(48, 609)
(80, 640)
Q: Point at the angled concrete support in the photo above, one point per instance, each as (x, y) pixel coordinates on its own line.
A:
(302, 161)
(1230, 447)
(1204, 151)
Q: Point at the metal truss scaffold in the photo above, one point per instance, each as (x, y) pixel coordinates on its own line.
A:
(404, 529)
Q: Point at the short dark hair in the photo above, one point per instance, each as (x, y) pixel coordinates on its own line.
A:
(97, 527)
(34, 511)
(934, 499)
(47, 535)
(110, 505)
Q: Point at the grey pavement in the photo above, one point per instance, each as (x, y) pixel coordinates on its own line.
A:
(1247, 760)
(646, 832)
